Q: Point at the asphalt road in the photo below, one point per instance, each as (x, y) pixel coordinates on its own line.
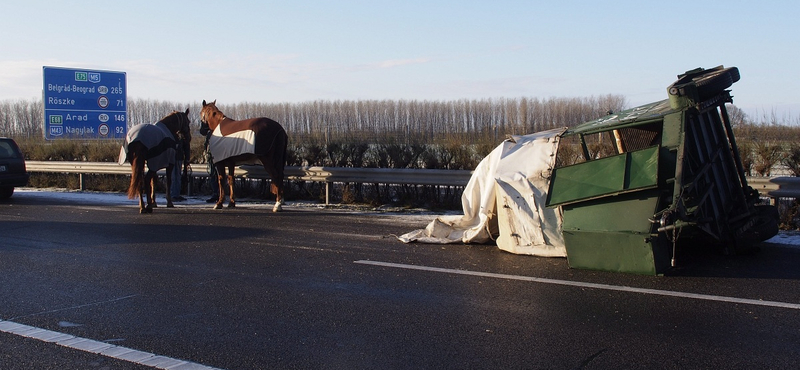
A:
(196, 288)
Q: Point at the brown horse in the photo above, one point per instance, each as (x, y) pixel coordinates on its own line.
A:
(252, 140)
(154, 144)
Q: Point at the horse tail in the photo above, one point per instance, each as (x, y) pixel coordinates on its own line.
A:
(282, 143)
(136, 156)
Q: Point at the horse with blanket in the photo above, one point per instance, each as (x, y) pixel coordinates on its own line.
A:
(154, 145)
(248, 141)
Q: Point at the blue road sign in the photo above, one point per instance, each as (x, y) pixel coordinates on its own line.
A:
(84, 104)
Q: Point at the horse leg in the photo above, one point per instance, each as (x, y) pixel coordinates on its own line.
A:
(277, 188)
(169, 186)
(142, 190)
(142, 208)
(232, 203)
(276, 182)
(153, 180)
(275, 163)
(220, 185)
(148, 191)
(135, 189)
(278, 202)
(151, 199)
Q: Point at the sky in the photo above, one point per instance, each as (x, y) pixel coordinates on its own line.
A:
(297, 51)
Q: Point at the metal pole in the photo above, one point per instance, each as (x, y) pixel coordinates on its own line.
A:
(327, 193)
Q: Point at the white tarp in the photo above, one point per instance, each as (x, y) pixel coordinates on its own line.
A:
(505, 200)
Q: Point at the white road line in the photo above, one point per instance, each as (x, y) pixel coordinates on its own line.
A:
(100, 348)
(619, 288)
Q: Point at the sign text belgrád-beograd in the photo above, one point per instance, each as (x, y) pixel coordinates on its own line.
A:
(71, 88)
(83, 104)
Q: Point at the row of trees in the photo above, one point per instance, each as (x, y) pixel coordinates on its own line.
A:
(376, 120)
(21, 118)
(365, 120)
(398, 133)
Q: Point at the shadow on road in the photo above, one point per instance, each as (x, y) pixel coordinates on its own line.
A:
(767, 261)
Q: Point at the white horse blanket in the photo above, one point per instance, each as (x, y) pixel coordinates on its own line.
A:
(255, 136)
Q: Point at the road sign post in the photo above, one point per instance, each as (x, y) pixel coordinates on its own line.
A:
(84, 104)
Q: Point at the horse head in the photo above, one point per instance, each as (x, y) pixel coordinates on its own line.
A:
(210, 117)
(179, 124)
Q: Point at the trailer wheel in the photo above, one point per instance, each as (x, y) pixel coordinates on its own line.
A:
(767, 219)
(711, 84)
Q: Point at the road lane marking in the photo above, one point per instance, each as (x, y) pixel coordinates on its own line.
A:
(100, 348)
(618, 288)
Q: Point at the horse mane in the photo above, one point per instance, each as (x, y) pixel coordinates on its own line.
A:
(179, 124)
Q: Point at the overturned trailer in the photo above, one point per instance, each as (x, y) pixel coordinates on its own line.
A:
(673, 175)
(619, 193)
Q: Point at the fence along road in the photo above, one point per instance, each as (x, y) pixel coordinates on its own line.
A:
(772, 187)
(328, 175)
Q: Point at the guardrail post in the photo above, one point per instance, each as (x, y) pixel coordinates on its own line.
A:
(327, 193)
(81, 185)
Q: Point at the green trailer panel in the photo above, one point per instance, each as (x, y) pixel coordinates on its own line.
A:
(612, 175)
(616, 252)
(615, 234)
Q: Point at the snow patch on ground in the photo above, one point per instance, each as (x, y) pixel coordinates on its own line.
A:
(121, 199)
(788, 238)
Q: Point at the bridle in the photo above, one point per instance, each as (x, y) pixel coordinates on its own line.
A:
(184, 124)
(204, 117)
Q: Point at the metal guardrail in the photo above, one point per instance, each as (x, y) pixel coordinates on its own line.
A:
(324, 174)
(776, 187)
(773, 187)
(328, 175)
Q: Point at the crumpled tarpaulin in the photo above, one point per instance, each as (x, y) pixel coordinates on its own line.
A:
(505, 200)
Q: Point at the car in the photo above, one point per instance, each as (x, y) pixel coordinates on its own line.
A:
(12, 168)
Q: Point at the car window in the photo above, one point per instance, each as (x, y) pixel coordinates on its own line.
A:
(6, 151)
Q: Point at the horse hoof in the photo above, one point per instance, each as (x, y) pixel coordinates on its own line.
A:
(277, 208)
(170, 205)
(231, 205)
(218, 206)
